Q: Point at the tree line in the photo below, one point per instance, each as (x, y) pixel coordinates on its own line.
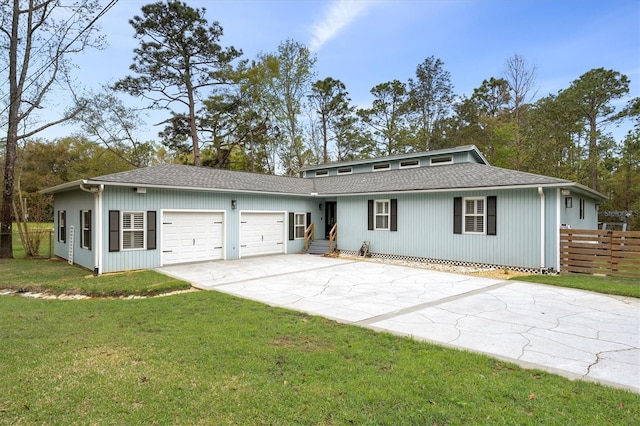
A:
(273, 114)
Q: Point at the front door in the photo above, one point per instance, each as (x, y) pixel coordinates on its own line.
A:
(330, 214)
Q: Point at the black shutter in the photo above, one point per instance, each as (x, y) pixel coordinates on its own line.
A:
(114, 230)
(292, 229)
(151, 230)
(81, 230)
(394, 214)
(370, 216)
(457, 215)
(87, 236)
(491, 215)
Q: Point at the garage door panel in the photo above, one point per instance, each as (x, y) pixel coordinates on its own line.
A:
(192, 237)
(261, 233)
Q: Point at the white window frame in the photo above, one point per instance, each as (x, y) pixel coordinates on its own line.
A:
(474, 214)
(381, 167)
(85, 227)
(62, 226)
(322, 173)
(133, 230)
(409, 164)
(299, 226)
(381, 214)
(345, 171)
(446, 159)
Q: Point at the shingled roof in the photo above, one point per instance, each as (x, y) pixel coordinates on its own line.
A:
(462, 176)
(191, 177)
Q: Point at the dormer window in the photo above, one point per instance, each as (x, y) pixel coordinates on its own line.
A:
(407, 164)
(345, 170)
(322, 173)
(446, 159)
(381, 166)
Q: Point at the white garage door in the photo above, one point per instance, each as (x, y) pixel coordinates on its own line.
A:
(192, 237)
(261, 233)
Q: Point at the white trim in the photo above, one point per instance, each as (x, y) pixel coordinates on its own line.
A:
(410, 166)
(474, 214)
(339, 171)
(451, 190)
(321, 173)
(380, 167)
(542, 225)
(295, 225)
(375, 214)
(448, 159)
(566, 184)
(133, 230)
(557, 233)
(83, 242)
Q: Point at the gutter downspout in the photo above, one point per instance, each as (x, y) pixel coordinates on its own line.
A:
(542, 230)
(97, 206)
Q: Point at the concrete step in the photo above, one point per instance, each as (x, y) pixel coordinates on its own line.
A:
(319, 247)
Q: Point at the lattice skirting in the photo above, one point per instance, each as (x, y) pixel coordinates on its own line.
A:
(383, 256)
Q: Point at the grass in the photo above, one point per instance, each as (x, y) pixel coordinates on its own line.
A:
(58, 277)
(209, 358)
(608, 285)
(40, 234)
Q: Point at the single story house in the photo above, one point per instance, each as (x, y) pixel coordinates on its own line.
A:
(447, 206)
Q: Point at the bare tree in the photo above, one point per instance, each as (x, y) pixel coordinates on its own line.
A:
(40, 35)
(521, 79)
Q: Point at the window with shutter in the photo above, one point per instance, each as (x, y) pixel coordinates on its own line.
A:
(133, 230)
(299, 225)
(381, 213)
(474, 212)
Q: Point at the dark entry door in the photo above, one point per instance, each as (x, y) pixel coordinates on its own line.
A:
(330, 214)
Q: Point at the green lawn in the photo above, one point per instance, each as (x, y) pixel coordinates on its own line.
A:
(58, 277)
(40, 233)
(209, 358)
(608, 285)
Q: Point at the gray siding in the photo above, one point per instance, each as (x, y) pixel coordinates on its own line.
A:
(367, 165)
(517, 242)
(73, 202)
(124, 199)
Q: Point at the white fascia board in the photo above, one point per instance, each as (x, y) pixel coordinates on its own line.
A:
(191, 188)
(473, 188)
(62, 187)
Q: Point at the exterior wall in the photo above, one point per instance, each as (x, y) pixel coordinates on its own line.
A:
(425, 224)
(365, 167)
(571, 215)
(425, 228)
(124, 199)
(73, 202)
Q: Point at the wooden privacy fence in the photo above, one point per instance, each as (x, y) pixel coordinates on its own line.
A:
(600, 252)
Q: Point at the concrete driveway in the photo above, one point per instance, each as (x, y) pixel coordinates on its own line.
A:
(574, 333)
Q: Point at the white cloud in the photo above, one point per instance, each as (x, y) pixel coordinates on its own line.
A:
(338, 15)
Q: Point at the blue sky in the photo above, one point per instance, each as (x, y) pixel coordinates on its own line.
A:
(365, 43)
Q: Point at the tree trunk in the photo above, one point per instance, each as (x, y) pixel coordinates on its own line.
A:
(593, 152)
(193, 129)
(6, 243)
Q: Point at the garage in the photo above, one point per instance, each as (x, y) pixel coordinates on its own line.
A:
(262, 233)
(192, 236)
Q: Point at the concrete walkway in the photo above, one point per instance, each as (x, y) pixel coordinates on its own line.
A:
(574, 333)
